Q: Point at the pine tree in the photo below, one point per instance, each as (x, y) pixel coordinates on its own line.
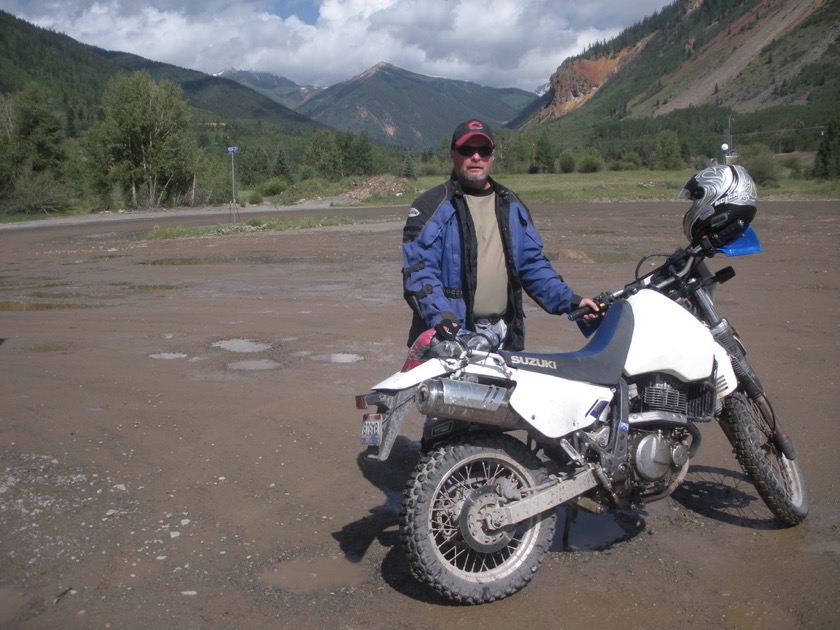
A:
(409, 169)
(544, 155)
(827, 162)
(281, 166)
(667, 155)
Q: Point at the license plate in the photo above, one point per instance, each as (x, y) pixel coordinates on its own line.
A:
(371, 429)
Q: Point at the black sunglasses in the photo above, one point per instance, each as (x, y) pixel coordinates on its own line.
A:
(470, 151)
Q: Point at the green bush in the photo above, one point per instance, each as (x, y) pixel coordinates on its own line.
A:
(794, 166)
(305, 172)
(761, 163)
(590, 161)
(273, 187)
(566, 162)
(622, 165)
(699, 162)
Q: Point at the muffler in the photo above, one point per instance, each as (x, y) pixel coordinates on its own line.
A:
(473, 402)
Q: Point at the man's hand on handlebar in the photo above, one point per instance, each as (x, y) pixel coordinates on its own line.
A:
(590, 310)
(594, 310)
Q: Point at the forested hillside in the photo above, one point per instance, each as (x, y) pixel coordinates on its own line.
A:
(395, 106)
(747, 71)
(85, 129)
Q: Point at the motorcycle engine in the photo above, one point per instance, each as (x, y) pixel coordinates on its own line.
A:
(655, 456)
(661, 410)
(664, 393)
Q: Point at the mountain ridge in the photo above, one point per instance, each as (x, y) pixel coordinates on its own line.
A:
(376, 100)
(716, 71)
(732, 56)
(78, 74)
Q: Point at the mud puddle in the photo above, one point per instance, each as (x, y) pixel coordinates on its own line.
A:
(316, 574)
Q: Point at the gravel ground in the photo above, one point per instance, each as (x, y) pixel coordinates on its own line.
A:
(179, 444)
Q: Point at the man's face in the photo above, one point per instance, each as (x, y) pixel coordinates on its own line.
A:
(473, 169)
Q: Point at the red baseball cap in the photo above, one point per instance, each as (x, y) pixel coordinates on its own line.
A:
(469, 129)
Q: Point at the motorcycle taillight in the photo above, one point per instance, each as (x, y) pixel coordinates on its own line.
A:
(419, 351)
(411, 364)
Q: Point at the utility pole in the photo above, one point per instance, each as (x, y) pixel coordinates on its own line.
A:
(233, 209)
(726, 147)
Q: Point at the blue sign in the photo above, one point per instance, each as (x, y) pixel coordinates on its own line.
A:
(232, 150)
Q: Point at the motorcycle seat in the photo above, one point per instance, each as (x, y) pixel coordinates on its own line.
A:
(601, 361)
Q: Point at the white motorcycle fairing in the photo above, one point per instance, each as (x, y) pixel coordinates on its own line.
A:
(557, 406)
(668, 339)
(415, 376)
(560, 393)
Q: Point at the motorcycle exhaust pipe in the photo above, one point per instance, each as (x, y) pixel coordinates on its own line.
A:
(473, 402)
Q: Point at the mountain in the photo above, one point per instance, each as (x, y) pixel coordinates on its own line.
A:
(398, 107)
(771, 66)
(278, 89)
(392, 105)
(78, 74)
(762, 62)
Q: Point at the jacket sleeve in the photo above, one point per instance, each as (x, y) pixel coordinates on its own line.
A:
(423, 251)
(538, 277)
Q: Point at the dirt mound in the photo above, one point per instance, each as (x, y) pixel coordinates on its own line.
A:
(382, 186)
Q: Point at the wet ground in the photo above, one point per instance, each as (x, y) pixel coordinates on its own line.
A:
(179, 444)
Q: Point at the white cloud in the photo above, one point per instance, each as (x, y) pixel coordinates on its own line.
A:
(503, 43)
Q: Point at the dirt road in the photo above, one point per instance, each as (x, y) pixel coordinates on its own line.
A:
(179, 444)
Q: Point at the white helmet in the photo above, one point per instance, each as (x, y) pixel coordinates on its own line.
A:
(724, 203)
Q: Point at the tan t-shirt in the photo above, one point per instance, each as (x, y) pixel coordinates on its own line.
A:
(491, 291)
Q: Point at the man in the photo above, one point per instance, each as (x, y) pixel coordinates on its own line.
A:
(470, 248)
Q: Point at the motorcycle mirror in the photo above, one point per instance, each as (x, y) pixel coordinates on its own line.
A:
(724, 275)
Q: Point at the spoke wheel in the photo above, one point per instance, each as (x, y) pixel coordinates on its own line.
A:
(778, 480)
(448, 522)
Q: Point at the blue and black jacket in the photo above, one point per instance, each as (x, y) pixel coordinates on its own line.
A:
(439, 262)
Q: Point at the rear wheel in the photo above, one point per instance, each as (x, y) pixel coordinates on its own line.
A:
(778, 480)
(444, 522)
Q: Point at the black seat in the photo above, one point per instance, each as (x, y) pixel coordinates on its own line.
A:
(600, 361)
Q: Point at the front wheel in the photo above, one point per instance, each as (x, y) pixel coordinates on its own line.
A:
(444, 518)
(778, 480)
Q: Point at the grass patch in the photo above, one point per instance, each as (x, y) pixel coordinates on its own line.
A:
(20, 307)
(59, 296)
(636, 185)
(183, 261)
(158, 233)
(259, 259)
(603, 186)
(641, 185)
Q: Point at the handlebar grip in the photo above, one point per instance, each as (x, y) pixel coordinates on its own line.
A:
(579, 312)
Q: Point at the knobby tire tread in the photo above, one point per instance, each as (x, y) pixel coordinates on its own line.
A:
(758, 468)
(414, 533)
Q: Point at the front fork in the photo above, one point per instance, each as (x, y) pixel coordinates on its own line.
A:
(726, 337)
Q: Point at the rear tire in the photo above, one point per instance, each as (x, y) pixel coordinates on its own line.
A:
(442, 526)
(778, 480)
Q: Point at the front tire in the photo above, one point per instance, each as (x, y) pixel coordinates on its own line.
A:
(778, 480)
(447, 541)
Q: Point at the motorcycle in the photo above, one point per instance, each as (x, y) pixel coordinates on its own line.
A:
(510, 436)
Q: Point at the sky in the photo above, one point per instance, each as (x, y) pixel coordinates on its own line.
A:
(497, 43)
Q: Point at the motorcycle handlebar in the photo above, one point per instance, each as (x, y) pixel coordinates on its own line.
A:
(603, 300)
(579, 312)
(677, 266)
